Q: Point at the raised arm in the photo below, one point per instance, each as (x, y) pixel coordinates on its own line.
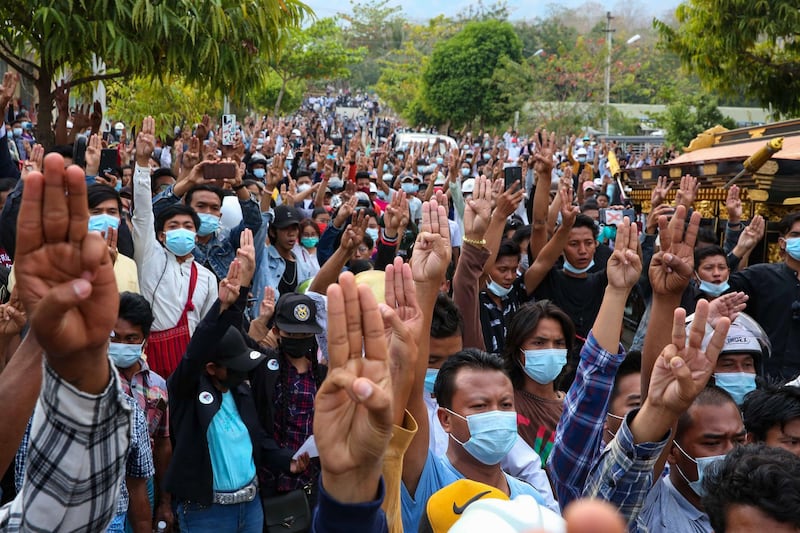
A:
(552, 250)
(543, 170)
(143, 220)
(429, 262)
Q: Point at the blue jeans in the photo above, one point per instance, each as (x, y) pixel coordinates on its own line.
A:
(117, 525)
(216, 518)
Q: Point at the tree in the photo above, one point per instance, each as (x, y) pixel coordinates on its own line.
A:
(317, 52)
(457, 82)
(213, 44)
(741, 47)
(687, 116)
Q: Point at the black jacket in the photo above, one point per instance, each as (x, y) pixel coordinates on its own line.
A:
(189, 476)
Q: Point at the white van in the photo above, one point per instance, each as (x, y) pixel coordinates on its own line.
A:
(402, 140)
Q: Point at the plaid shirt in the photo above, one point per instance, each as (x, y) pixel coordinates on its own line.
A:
(77, 452)
(624, 474)
(140, 455)
(150, 392)
(299, 422)
(579, 435)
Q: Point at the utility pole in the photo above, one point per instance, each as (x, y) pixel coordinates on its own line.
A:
(609, 32)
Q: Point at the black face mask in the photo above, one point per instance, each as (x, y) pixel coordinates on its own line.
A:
(299, 348)
(233, 379)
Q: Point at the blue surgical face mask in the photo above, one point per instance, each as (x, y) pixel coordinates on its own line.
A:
(492, 435)
(430, 379)
(124, 355)
(118, 186)
(569, 268)
(582, 159)
(385, 167)
(497, 289)
(102, 222)
(737, 384)
(17, 132)
(702, 465)
(793, 248)
(465, 172)
(400, 157)
(373, 232)
(259, 173)
(208, 224)
(409, 188)
(714, 289)
(544, 366)
(487, 156)
(421, 169)
(180, 241)
(439, 160)
(309, 242)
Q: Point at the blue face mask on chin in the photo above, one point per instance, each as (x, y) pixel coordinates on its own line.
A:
(569, 268)
(737, 384)
(544, 366)
(492, 435)
(714, 289)
(703, 463)
(497, 289)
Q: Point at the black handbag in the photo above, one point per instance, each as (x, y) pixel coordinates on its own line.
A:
(287, 513)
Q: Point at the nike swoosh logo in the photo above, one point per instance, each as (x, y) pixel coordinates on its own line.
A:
(459, 510)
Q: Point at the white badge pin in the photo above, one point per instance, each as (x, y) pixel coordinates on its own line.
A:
(272, 364)
(206, 398)
(255, 355)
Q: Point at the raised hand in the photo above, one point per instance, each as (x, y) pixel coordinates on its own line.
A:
(146, 142)
(96, 118)
(660, 191)
(247, 257)
(353, 407)
(651, 225)
(432, 250)
(753, 233)
(111, 242)
(402, 328)
(34, 162)
(203, 128)
(478, 210)
(733, 204)
(625, 266)
(508, 201)
(728, 306)
(671, 268)
(64, 274)
(191, 157)
(569, 212)
(12, 316)
(682, 370)
(8, 88)
(543, 155)
(394, 214)
(93, 148)
(687, 192)
(229, 286)
(267, 306)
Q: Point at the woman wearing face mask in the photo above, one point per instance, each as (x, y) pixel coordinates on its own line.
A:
(539, 337)
(309, 238)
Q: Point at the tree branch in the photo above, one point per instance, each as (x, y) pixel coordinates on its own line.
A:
(98, 77)
(11, 60)
(17, 58)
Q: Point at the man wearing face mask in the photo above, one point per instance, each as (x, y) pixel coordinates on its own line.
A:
(127, 346)
(215, 248)
(284, 387)
(219, 442)
(774, 303)
(180, 290)
(740, 362)
(476, 408)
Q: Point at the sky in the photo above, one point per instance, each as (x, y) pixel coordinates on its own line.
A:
(421, 10)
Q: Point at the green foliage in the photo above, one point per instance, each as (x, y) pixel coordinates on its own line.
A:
(265, 95)
(741, 47)
(458, 81)
(688, 116)
(377, 27)
(172, 103)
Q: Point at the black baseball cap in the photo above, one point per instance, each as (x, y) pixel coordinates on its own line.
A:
(296, 313)
(232, 352)
(286, 216)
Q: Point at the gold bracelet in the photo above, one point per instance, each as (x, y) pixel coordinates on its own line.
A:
(479, 243)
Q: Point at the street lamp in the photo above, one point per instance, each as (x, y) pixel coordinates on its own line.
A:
(609, 32)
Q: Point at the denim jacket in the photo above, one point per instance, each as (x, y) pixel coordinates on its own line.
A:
(269, 271)
(218, 253)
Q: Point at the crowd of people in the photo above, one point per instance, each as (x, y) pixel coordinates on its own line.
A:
(311, 326)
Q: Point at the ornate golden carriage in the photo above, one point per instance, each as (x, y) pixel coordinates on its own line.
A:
(714, 157)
